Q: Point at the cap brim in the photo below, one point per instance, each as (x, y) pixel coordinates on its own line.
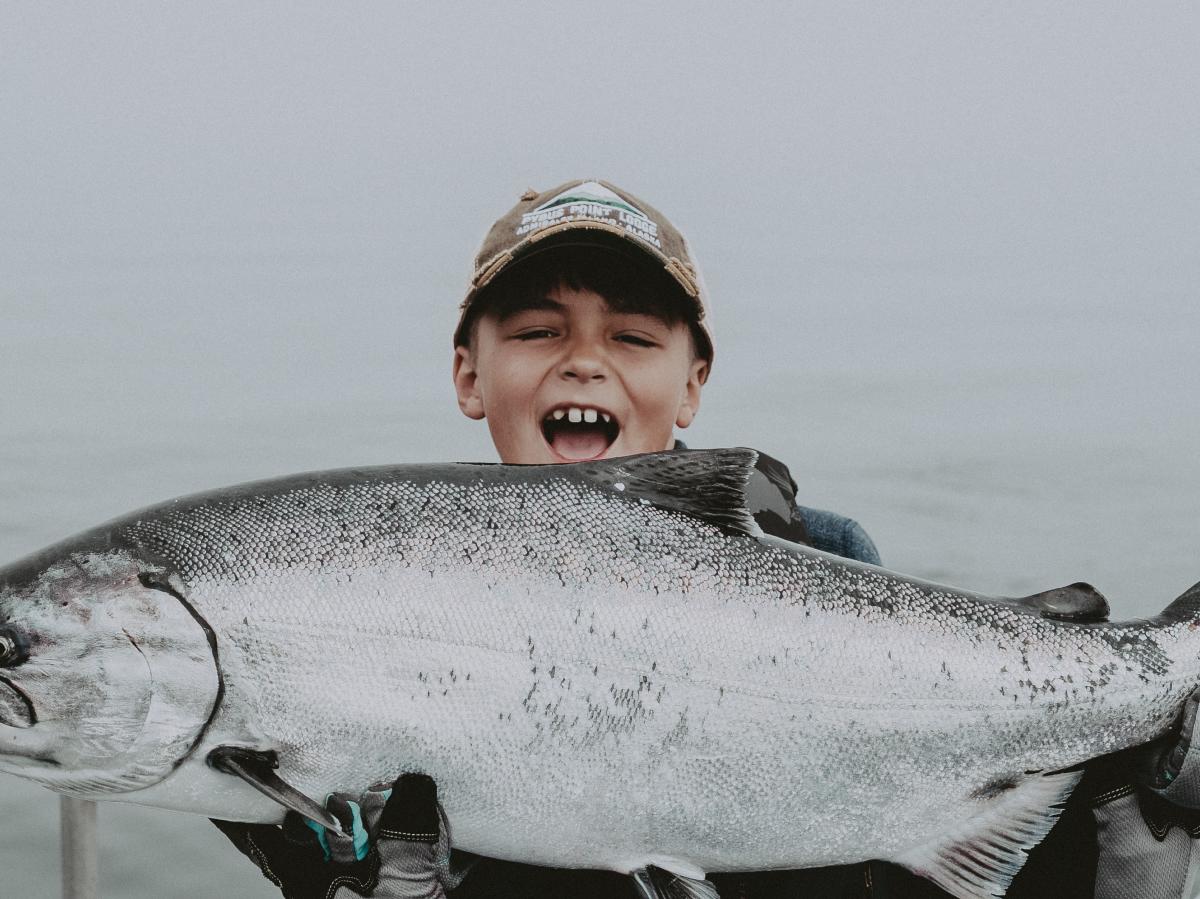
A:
(577, 234)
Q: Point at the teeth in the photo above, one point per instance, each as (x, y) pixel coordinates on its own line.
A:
(576, 414)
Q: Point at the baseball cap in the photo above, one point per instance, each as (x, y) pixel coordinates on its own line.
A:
(586, 212)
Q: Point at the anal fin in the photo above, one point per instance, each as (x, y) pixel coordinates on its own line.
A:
(258, 769)
(979, 859)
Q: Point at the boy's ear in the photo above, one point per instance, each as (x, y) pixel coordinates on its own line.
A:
(466, 384)
(697, 375)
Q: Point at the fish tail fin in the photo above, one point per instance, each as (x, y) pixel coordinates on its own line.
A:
(1184, 610)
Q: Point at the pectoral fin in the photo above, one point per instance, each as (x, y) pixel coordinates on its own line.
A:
(257, 768)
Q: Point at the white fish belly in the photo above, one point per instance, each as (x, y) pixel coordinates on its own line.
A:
(596, 682)
(604, 727)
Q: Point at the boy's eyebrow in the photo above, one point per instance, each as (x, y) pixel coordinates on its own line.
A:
(545, 304)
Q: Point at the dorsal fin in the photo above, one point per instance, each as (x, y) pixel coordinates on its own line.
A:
(980, 857)
(707, 484)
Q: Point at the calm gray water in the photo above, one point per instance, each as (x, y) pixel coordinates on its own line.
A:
(952, 254)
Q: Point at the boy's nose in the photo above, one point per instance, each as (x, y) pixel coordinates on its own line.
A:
(580, 365)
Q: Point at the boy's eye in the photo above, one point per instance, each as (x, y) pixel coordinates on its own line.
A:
(635, 340)
(534, 334)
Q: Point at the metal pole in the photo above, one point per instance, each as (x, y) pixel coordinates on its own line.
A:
(80, 861)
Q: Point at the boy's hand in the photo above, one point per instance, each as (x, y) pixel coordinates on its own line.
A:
(396, 845)
(1171, 767)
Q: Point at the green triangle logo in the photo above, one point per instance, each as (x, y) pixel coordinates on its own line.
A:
(590, 192)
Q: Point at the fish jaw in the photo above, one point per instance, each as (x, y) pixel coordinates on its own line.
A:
(118, 678)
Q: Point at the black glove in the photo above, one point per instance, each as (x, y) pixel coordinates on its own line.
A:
(1168, 768)
(396, 845)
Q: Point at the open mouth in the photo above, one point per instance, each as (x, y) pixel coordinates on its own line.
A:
(579, 433)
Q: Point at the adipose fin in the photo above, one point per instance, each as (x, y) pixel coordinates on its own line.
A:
(1077, 602)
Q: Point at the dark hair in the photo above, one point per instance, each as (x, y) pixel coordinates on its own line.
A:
(629, 283)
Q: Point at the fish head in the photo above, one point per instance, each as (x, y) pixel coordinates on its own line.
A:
(107, 676)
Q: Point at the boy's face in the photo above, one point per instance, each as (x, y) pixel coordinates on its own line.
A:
(629, 378)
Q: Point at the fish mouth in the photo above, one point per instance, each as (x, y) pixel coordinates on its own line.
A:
(579, 432)
(16, 709)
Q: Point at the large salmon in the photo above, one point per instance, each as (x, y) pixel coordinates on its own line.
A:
(603, 665)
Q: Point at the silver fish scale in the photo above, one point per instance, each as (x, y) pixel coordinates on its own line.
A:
(597, 681)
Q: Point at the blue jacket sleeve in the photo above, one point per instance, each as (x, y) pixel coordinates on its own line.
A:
(838, 534)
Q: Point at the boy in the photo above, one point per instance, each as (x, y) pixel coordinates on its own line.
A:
(584, 336)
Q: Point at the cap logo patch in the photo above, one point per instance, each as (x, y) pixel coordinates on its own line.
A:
(591, 201)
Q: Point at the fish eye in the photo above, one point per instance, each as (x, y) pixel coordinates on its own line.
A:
(12, 649)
